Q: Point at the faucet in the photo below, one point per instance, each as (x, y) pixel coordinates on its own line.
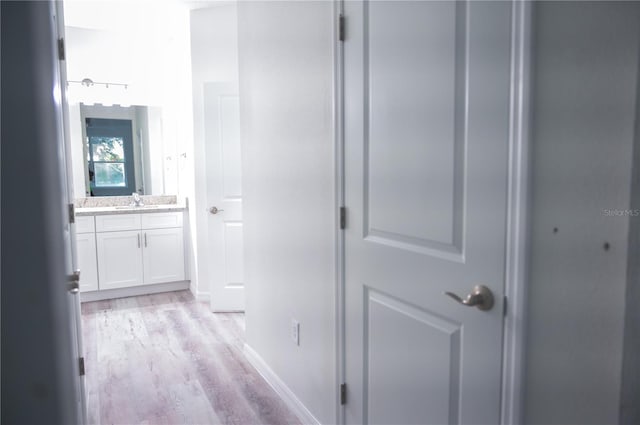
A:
(137, 201)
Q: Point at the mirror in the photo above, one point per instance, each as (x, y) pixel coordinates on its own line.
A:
(128, 73)
(119, 150)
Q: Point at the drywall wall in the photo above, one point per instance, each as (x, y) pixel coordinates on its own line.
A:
(150, 123)
(285, 64)
(125, 42)
(585, 75)
(214, 58)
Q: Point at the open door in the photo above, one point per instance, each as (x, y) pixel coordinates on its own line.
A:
(426, 143)
(224, 196)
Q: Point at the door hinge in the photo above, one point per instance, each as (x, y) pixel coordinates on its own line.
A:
(61, 54)
(341, 28)
(343, 394)
(343, 217)
(81, 365)
(504, 307)
(72, 213)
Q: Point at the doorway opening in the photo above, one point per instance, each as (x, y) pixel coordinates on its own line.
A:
(143, 129)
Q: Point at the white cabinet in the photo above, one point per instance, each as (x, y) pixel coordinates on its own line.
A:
(85, 224)
(86, 254)
(134, 249)
(117, 222)
(120, 259)
(163, 255)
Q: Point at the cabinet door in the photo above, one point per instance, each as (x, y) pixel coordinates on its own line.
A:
(163, 255)
(120, 259)
(87, 261)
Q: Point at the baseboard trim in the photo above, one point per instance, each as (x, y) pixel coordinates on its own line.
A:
(133, 291)
(289, 398)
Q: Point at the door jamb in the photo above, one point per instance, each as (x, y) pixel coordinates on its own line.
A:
(57, 9)
(338, 128)
(518, 200)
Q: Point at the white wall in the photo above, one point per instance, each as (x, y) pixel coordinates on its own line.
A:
(130, 42)
(78, 159)
(150, 119)
(285, 55)
(214, 58)
(584, 111)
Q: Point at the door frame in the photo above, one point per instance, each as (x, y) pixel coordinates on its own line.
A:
(65, 168)
(518, 220)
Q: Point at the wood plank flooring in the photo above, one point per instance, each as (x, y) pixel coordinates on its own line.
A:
(166, 359)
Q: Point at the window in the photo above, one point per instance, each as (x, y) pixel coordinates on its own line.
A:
(108, 161)
(110, 157)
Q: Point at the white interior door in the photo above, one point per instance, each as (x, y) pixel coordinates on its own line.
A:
(224, 195)
(426, 140)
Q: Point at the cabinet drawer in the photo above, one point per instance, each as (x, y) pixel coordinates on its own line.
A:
(117, 222)
(85, 224)
(161, 220)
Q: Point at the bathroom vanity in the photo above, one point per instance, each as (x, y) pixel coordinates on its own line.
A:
(130, 250)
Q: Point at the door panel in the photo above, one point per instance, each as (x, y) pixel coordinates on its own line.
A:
(426, 139)
(234, 267)
(426, 134)
(229, 118)
(429, 391)
(224, 191)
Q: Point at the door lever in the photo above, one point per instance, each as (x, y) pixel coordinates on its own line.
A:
(481, 297)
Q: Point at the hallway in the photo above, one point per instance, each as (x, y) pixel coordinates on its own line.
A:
(166, 359)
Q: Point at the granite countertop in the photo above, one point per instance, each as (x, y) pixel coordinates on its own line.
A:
(124, 209)
(103, 205)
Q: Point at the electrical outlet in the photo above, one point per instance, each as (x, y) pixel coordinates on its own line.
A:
(295, 331)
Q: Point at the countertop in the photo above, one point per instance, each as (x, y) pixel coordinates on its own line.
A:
(129, 210)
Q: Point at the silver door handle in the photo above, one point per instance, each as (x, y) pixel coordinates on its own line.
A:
(138, 240)
(74, 282)
(145, 239)
(214, 210)
(481, 297)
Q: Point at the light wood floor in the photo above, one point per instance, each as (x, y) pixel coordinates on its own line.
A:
(166, 359)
